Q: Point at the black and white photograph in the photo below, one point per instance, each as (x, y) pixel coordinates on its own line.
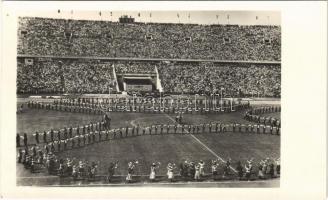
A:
(149, 99)
(163, 99)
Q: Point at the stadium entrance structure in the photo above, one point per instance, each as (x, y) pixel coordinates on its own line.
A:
(138, 84)
(138, 79)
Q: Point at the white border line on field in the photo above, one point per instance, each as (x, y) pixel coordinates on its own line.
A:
(191, 183)
(155, 184)
(210, 150)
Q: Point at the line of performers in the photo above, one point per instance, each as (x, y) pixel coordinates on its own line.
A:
(91, 134)
(254, 115)
(188, 170)
(65, 134)
(88, 108)
(139, 102)
(86, 138)
(92, 109)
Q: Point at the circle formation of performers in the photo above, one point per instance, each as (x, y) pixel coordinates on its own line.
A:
(40, 153)
(69, 138)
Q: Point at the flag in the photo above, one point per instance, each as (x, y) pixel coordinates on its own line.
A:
(111, 13)
(138, 14)
(150, 15)
(257, 17)
(58, 10)
(100, 13)
(178, 15)
(189, 15)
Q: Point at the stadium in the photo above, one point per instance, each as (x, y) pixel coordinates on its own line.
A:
(127, 103)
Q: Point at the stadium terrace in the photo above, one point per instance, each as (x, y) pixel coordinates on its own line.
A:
(175, 57)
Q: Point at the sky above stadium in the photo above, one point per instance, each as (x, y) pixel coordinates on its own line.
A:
(197, 17)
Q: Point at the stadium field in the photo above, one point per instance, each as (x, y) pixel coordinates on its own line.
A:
(151, 148)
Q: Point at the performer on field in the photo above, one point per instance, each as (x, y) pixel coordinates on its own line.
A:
(25, 140)
(18, 140)
(170, 173)
(240, 170)
(197, 172)
(37, 137)
(248, 170)
(201, 167)
(226, 170)
(153, 169)
(214, 169)
(131, 167)
(278, 166)
(111, 170)
(45, 137)
(261, 169)
(58, 135)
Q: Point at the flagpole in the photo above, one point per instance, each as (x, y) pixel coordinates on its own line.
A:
(72, 14)
(59, 15)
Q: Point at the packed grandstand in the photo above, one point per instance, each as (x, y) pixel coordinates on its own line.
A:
(54, 55)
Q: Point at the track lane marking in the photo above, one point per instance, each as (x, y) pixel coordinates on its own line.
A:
(210, 150)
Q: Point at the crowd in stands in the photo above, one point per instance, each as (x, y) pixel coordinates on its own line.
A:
(88, 77)
(39, 77)
(54, 76)
(61, 37)
(235, 79)
(93, 76)
(135, 67)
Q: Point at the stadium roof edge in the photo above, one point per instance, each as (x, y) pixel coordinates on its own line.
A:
(146, 59)
(150, 23)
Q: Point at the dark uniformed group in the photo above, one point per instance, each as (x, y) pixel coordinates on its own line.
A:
(254, 115)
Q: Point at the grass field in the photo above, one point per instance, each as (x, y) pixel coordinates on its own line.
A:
(155, 148)
(32, 120)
